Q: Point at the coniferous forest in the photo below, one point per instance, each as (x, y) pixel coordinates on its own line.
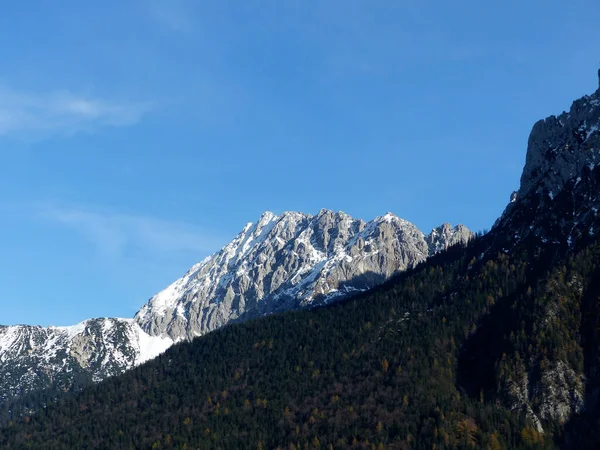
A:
(428, 360)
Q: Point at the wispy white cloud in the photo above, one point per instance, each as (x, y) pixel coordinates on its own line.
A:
(116, 234)
(62, 112)
(173, 14)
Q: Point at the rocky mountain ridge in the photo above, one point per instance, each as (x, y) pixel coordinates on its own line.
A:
(280, 262)
(34, 357)
(290, 261)
(561, 178)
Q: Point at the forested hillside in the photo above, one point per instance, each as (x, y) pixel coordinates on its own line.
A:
(422, 362)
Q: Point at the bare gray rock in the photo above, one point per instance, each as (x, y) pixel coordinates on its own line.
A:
(560, 147)
(290, 261)
(559, 194)
(445, 236)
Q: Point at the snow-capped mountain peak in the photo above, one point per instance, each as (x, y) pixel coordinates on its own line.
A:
(289, 261)
(279, 262)
(34, 357)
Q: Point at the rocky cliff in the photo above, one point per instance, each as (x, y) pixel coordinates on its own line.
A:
(559, 195)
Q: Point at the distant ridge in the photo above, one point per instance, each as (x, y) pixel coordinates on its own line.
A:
(277, 263)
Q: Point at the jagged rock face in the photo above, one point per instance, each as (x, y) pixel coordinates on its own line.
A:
(560, 147)
(556, 395)
(33, 357)
(290, 261)
(559, 195)
(445, 236)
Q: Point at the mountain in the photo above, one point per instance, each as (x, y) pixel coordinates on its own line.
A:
(278, 263)
(493, 344)
(34, 358)
(559, 196)
(290, 261)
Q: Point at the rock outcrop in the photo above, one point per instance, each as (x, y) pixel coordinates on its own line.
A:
(559, 195)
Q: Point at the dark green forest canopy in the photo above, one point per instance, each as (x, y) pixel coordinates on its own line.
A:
(421, 362)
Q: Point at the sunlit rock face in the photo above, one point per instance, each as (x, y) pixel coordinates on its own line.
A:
(278, 263)
(290, 261)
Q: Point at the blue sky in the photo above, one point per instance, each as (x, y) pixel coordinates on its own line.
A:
(136, 137)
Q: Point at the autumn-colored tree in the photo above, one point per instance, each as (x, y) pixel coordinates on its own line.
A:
(385, 365)
(316, 443)
(531, 437)
(494, 443)
(466, 429)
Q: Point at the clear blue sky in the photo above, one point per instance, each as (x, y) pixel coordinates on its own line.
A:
(136, 137)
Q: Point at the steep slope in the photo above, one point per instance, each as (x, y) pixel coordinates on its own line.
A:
(290, 261)
(278, 263)
(559, 196)
(34, 358)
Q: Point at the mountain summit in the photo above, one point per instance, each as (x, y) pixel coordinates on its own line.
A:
(559, 195)
(290, 261)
